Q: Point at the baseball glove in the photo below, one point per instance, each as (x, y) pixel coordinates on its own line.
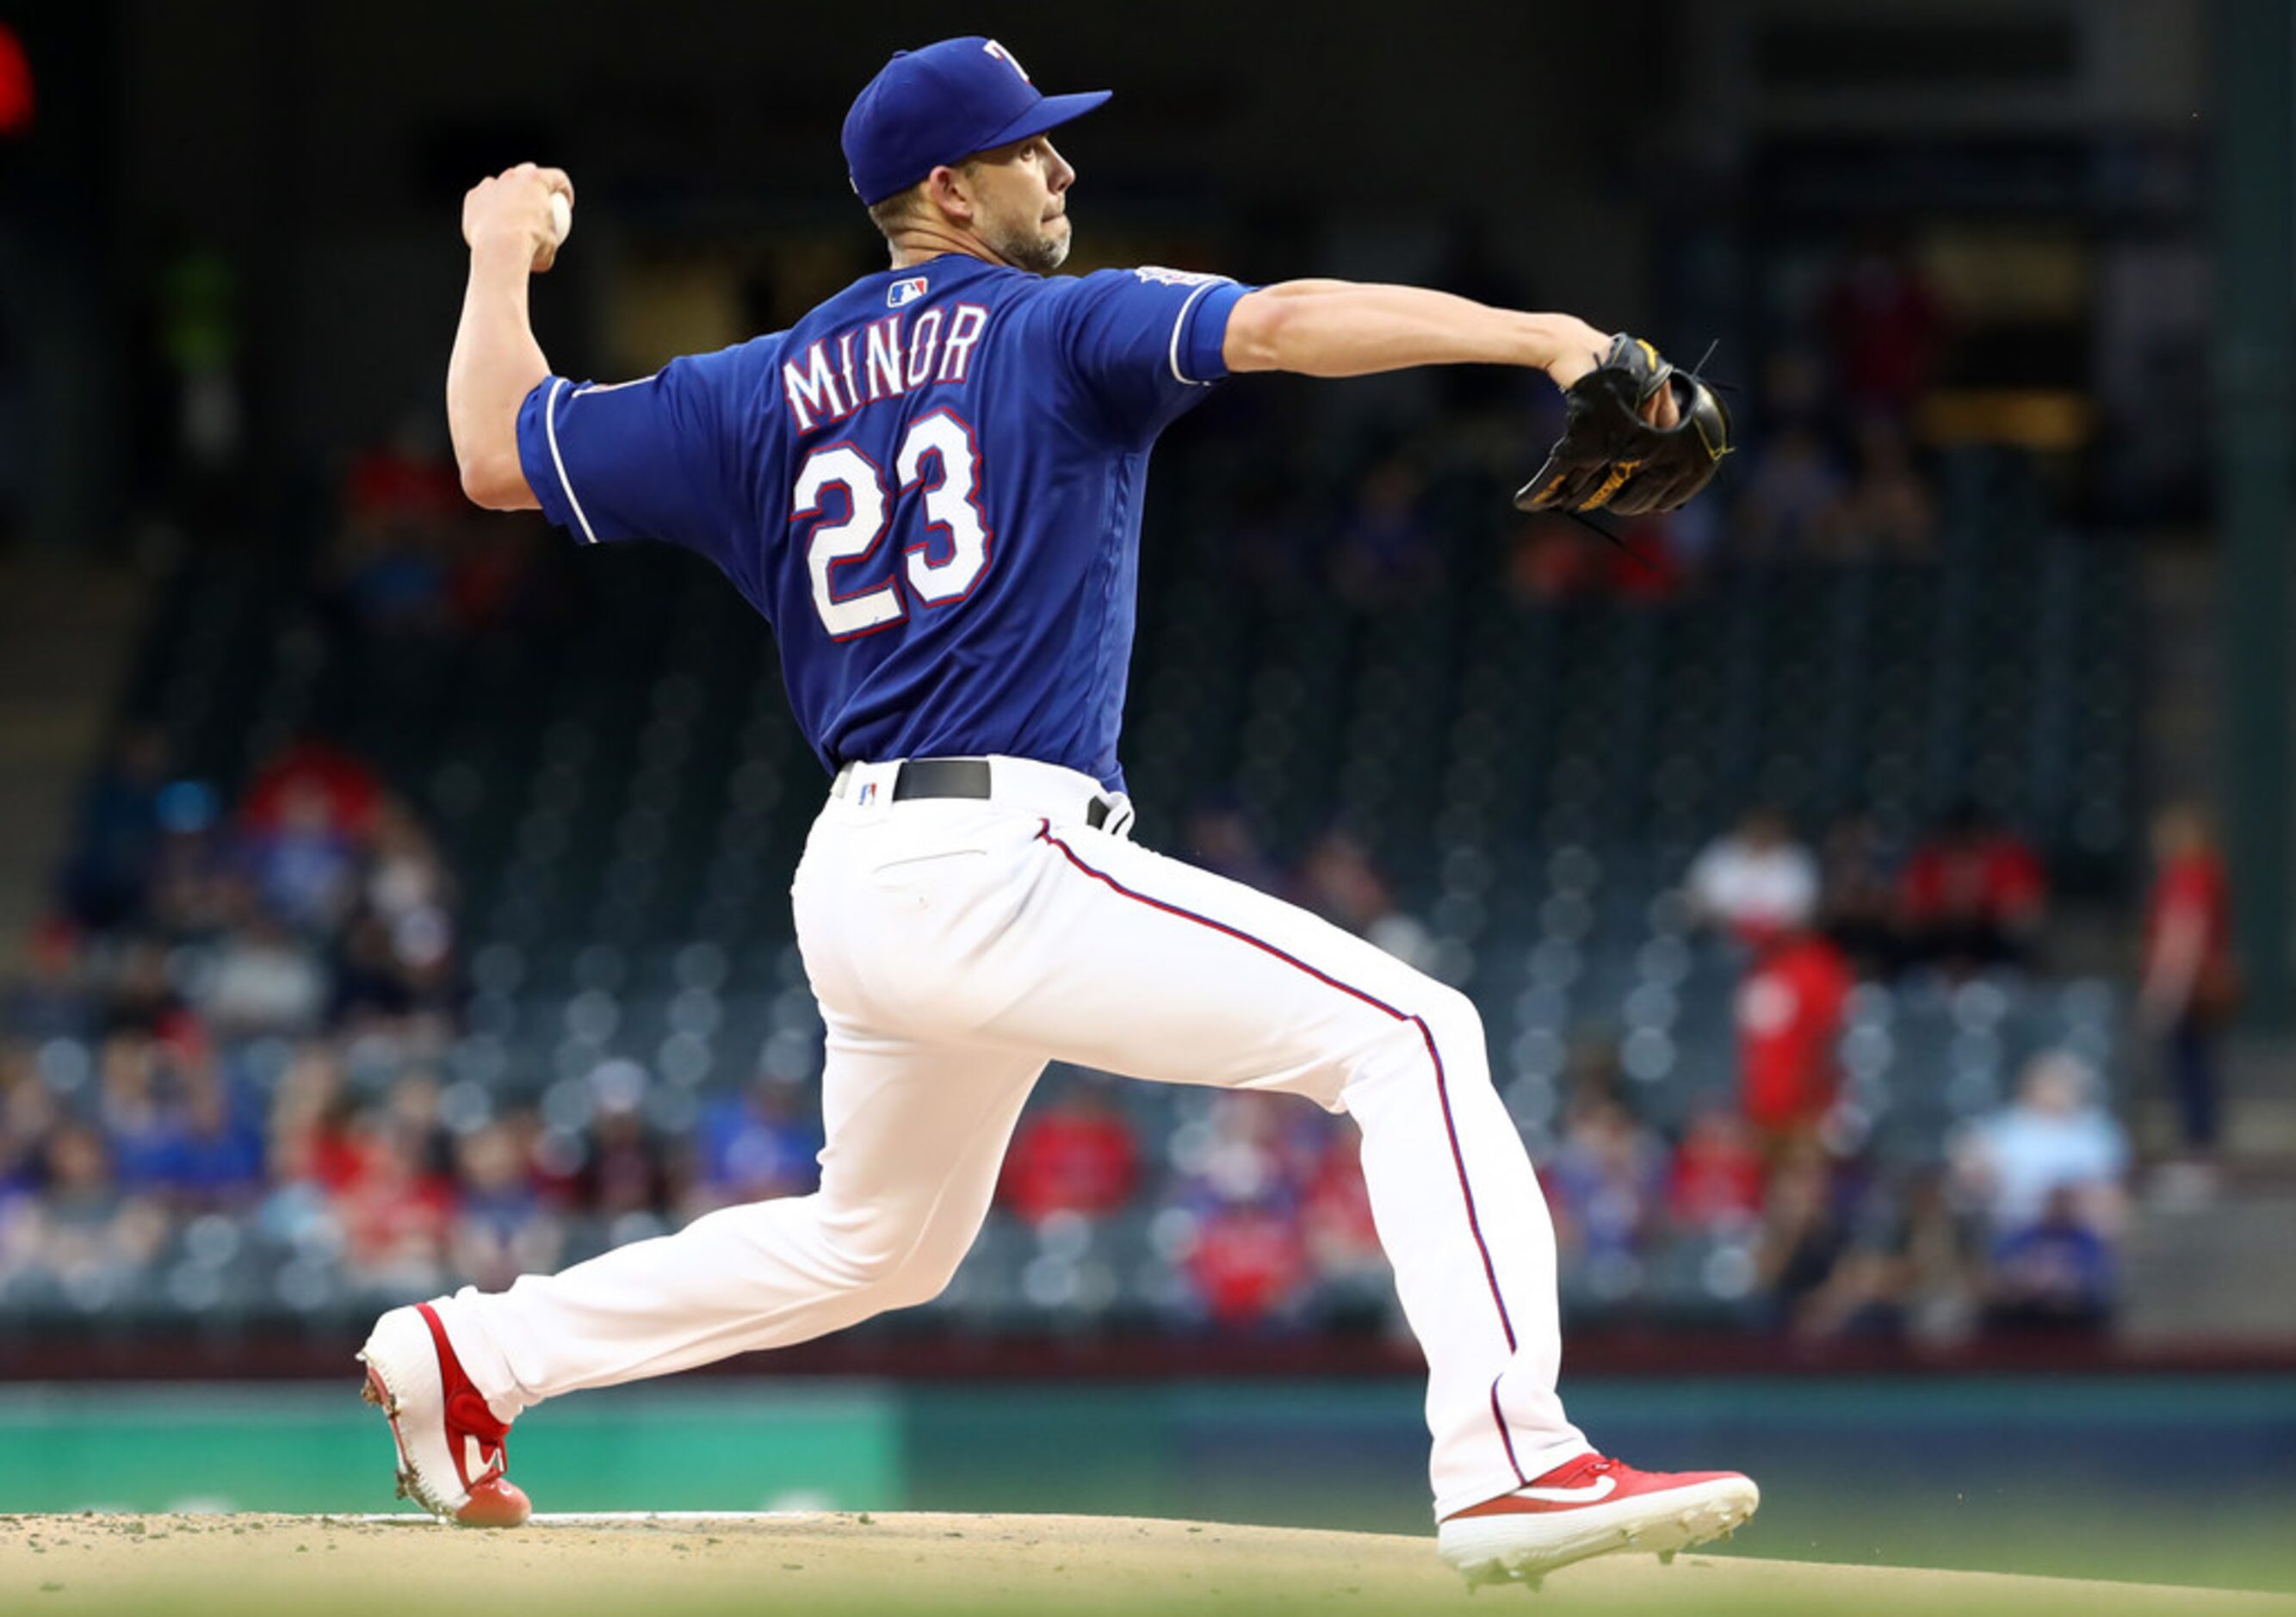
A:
(1610, 456)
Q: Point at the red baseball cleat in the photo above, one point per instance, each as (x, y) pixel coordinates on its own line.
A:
(451, 1454)
(1593, 1506)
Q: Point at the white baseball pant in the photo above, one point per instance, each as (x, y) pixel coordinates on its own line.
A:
(956, 946)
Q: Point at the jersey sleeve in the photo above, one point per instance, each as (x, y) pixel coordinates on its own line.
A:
(663, 457)
(1144, 344)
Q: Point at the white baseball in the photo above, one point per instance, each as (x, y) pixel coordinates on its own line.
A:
(561, 217)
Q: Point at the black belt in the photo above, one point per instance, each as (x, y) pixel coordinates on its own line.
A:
(965, 778)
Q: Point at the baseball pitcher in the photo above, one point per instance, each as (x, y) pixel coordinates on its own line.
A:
(930, 487)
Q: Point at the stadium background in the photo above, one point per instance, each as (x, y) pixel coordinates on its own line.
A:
(391, 896)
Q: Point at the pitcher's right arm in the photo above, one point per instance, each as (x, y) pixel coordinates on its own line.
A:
(497, 362)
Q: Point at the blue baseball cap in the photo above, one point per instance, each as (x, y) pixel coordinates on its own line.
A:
(940, 105)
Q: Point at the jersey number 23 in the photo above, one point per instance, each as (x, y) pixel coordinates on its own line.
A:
(941, 566)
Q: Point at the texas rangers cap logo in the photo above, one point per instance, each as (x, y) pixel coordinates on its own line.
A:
(905, 292)
(1008, 58)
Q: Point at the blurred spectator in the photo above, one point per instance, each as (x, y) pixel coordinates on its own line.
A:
(1792, 504)
(1754, 881)
(1221, 839)
(1247, 1263)
(311, 765)
(758, 1144)
(501, 1228)
(136, 1105)
(1790, 1011)
(400, 501)
(628, 1167)
(1714, 1184)
(1975, 895)
(397, 1204)
(404, 881)
(201, 337)
(500, 583)
(262, 979)
(314, 1155)
(195, 893)
(309, 1132)
(408, 479)
(1889, 509)
(368, 983)
(302, 861)
(1606, 1184)
(1908, 1269)
(83, 1231)
(1858, 902)
(397, 953)
(394, 582)
(2189, 984)
(1079, 1154)
(1339, 882)
(394, 1216)
(118, 835)
(217, 1160)
(1802, 1236)
(144, 997)
(2058, 1272)
(1886, 327)
(49, 1000)
(1352, 1274)
(2055, 1137)
(28, 1113)
(1253, 1145)
(1386, 549)
(1554, 559)
(413, 1111)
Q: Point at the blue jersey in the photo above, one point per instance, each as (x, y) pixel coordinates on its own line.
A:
(929, 486)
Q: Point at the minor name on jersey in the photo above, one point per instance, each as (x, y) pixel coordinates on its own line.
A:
(837, 374)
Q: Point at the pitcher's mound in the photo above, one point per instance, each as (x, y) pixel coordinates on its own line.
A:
(675, 1564)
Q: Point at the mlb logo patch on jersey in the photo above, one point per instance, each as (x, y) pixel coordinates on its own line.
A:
(905, 292)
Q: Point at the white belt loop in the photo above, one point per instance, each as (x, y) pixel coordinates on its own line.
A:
(866, 785)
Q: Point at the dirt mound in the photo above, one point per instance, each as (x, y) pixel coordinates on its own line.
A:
(898, 1563)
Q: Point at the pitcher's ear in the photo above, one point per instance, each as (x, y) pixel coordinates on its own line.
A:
(949, 191)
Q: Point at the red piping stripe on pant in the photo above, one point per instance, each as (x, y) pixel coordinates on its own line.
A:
(1442, 1086)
